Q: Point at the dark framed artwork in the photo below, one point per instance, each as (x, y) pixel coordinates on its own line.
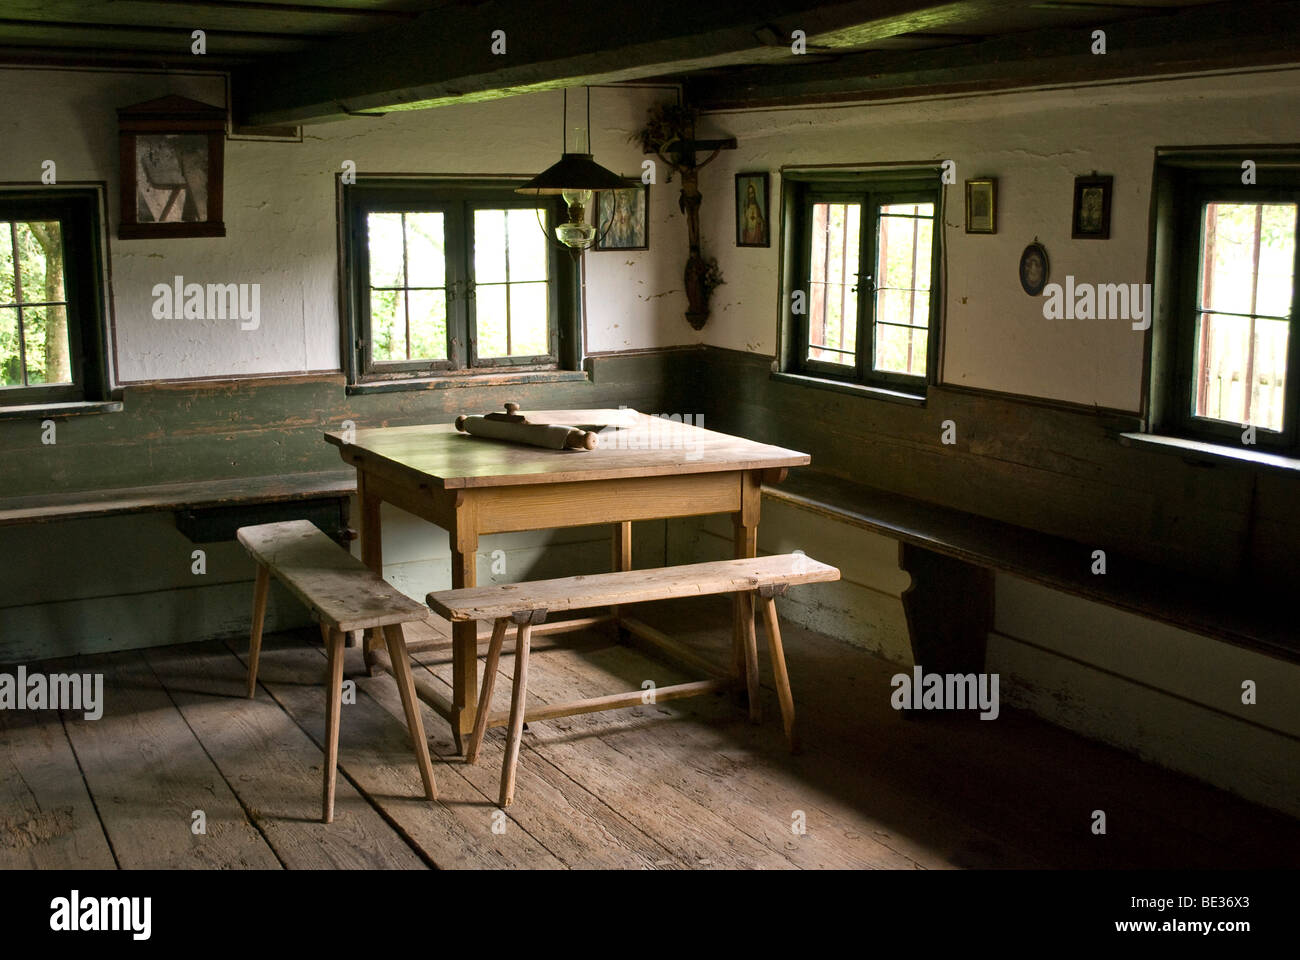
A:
(171, 169)
(1034, 269)
(622, 219)
(1091, 218)
(753, 223)
(982, 205)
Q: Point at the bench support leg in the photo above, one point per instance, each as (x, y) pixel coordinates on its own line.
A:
(333, 706)
(622, 560)
(949, 608)
(779, 672)
(489, 682)
(401, 662)
(745, 542)
(260, 585)
(518, 697)
(751, 658)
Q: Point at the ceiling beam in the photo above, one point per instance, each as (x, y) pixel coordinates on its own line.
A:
(1246, 33)
(445, 56)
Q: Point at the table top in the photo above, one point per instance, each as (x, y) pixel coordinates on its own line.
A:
(631, 444)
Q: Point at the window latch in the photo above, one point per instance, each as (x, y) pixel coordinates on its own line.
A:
(868, 286)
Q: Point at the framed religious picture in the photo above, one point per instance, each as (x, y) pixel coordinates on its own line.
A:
(753, 221)
(1091, 220)
(622, 219)
(1034, 268)
(982, 205)
(171, 169)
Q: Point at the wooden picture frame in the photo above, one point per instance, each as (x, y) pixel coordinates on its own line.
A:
(171, 169)
(1090, 219)
(753, 210)
(622, 218)
(982, 205)
(1034, 269)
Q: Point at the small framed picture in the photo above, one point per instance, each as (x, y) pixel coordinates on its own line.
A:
(982, 205)
(753, 224)
(1091, 208)
(1034, 269)
(171, 169)
(622, 219)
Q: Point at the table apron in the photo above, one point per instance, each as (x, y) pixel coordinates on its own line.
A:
(544, 506)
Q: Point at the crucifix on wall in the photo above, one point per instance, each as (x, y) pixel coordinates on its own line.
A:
(670, 135)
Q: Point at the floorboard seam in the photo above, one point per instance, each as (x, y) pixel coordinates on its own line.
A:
(90, 793)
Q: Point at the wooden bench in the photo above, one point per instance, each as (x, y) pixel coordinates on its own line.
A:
(527, 604)
(343, 595)
(951, 556)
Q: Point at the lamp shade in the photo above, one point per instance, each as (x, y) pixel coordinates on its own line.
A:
(574, 171)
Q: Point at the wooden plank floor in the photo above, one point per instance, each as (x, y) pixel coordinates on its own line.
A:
(683, 785)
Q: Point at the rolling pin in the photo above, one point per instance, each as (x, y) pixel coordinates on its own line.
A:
(515, 428)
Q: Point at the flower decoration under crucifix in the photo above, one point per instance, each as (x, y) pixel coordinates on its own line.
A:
(669, 134)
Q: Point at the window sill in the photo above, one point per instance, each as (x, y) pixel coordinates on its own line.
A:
(1200, 451)
(468, 380)
(34, 411)
(853, 389)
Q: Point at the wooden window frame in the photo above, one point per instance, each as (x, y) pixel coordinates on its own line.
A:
(80, 216)
(873, 190)
(456, 199)
(1182, 191)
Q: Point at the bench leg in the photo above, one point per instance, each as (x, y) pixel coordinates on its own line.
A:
(400, 660)
(779, 671)
(751, 659)
(489, 682)
(333, 705)
(260, 585)
(518, 697)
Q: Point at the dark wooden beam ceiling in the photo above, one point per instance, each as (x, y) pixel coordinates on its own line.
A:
(1243, 33)
(445, 56)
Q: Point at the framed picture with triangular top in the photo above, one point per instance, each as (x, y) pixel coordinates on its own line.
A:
(171, 168)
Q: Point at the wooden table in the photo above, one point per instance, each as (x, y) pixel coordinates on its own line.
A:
(646, 468)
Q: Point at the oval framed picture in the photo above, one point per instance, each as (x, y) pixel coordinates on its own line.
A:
(1033, 269)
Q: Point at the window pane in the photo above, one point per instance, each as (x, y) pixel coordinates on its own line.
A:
(1241, 369)
(426, 259)
(6, 264)
(527, 246)
(833, 304)
(528, 320)
(490, 320)
(428, 324)
(40, 249)
(902, 315)
(387, 325)
(1247, 258)
(11, 371)
(490, 246)
(45, 335)
(901, 349)
(385, 249)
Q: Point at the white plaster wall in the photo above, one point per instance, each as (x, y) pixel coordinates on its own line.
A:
(1035, 143)
(280, 214)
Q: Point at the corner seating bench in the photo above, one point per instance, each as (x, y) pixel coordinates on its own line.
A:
(951, 555)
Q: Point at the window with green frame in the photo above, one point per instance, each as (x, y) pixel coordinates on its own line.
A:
(1229, 252)
(864, 301)
(453, 277)
(52, 306)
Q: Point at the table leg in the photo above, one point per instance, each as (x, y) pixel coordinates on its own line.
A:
(372, 555)
(745, 527)
(464, 635)
(622, 560)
